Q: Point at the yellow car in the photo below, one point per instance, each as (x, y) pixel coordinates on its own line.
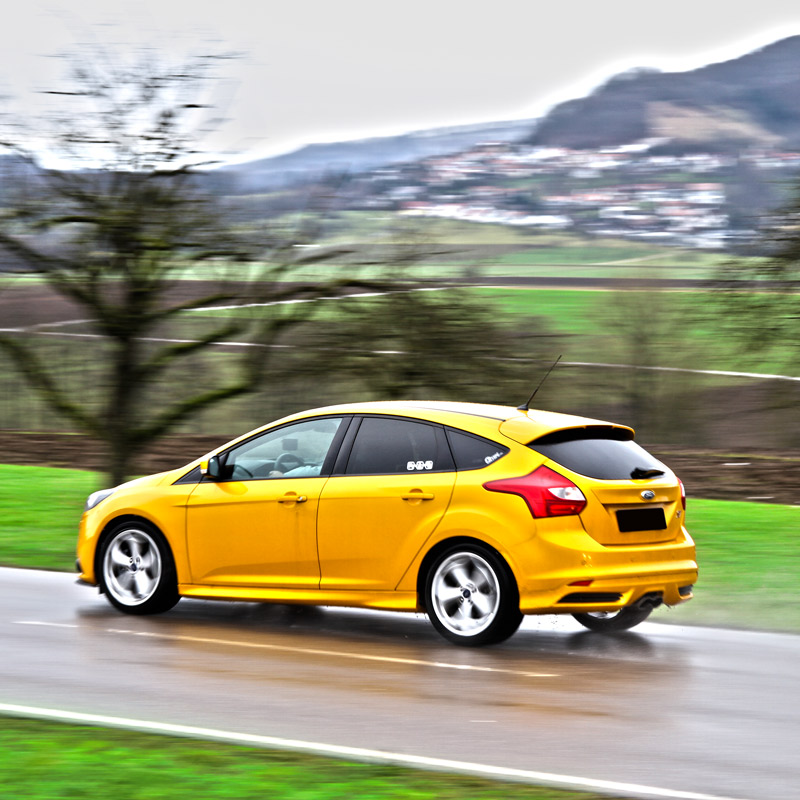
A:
(475, 514)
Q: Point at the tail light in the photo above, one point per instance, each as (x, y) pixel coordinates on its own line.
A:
(683, 493)
(547, 493)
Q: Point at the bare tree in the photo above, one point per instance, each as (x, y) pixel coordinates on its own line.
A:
(430, 341)
(114, 222)
(760, 295)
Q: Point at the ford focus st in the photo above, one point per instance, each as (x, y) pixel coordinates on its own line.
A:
(474, 514)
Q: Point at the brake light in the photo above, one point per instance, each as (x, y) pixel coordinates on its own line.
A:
(547, 493)
(683, 493)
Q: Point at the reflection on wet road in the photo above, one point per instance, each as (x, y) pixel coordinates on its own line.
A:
(697, 710)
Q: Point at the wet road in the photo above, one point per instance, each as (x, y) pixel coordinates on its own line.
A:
(694, 710)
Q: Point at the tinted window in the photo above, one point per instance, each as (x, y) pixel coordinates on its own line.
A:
(398, 446)
(592, 454)
(473, 452)
(293, 451)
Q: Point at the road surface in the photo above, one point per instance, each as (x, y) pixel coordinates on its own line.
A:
(681, 709)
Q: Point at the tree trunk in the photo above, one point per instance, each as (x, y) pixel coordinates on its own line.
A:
(120, 414)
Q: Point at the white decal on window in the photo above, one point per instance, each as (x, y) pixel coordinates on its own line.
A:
(492, 457)
(413, 465)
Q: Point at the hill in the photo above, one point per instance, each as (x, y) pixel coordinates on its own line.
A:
(315, 160)
(749, 101)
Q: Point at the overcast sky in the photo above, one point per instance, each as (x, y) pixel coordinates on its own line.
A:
(323, 71)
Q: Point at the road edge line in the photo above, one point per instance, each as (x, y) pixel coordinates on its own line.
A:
(358, 754)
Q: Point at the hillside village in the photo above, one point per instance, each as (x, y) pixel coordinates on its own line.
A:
(633, 191)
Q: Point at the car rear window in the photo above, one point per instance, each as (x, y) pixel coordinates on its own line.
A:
(599, 452)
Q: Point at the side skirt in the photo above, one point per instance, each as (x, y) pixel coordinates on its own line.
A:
(386, 601)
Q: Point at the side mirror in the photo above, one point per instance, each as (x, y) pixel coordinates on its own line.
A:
(212, 469)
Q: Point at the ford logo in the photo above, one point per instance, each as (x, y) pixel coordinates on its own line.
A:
(648, 495)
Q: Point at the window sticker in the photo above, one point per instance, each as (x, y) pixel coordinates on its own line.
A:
(419, 465)
(474, 452)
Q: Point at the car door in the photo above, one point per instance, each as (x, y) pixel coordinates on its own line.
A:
(380, 506)
(256, 526)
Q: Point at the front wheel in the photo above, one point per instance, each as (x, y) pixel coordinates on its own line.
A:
(471, 596)
(137, 572)
(610, 621)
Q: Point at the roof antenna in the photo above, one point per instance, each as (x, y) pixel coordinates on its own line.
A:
(524, 406)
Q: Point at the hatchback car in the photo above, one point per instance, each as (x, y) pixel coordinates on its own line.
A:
(475, 514)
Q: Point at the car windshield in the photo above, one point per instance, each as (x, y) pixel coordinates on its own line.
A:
(597, 452)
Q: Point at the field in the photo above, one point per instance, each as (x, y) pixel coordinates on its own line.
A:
(640, 330)
(730, 438)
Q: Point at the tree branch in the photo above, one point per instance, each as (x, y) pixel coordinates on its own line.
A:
(39, 377)
(186, 408)
(168, 355)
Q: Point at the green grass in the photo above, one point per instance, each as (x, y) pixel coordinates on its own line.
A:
(566, 310)
(40, 508)
(671, 328)
(44, 760)
(386, 226)
(674, 328)
(749, 553)
(749, 557)
(615, 318)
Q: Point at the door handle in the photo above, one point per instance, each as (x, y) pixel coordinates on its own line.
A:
(417, 495)
(291, 497)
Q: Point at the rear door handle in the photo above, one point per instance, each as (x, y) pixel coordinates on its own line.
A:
(417, 495)
(291, 497)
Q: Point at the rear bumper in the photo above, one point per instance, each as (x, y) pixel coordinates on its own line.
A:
(587, 576)
(611, 593)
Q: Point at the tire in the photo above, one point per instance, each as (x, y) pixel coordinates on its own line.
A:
(610, 621)
(471, 596)
(137, 571)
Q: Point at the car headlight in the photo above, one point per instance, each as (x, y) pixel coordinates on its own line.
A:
(97, 497)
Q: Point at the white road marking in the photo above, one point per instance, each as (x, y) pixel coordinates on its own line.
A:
(723, 372)
(35, 330)
(357, 753)
(46, 624)
(302, 650)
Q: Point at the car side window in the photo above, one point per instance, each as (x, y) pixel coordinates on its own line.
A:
(473, 452)
(391, 446)
(292, 451)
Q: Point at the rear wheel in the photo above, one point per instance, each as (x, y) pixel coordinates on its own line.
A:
(137, 571)
(471, 596)
(609, 621)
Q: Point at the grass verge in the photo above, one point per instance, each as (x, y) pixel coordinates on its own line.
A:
(749, 553)
(40, 508)
(42, 760)
(749, 557)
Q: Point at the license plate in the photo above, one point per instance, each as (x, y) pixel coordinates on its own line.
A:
(641, 519)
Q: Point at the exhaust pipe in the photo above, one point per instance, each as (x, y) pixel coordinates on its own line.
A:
(649, 600)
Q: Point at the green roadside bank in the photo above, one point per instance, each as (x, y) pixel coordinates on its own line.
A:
(42, 760)
(749, 553)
